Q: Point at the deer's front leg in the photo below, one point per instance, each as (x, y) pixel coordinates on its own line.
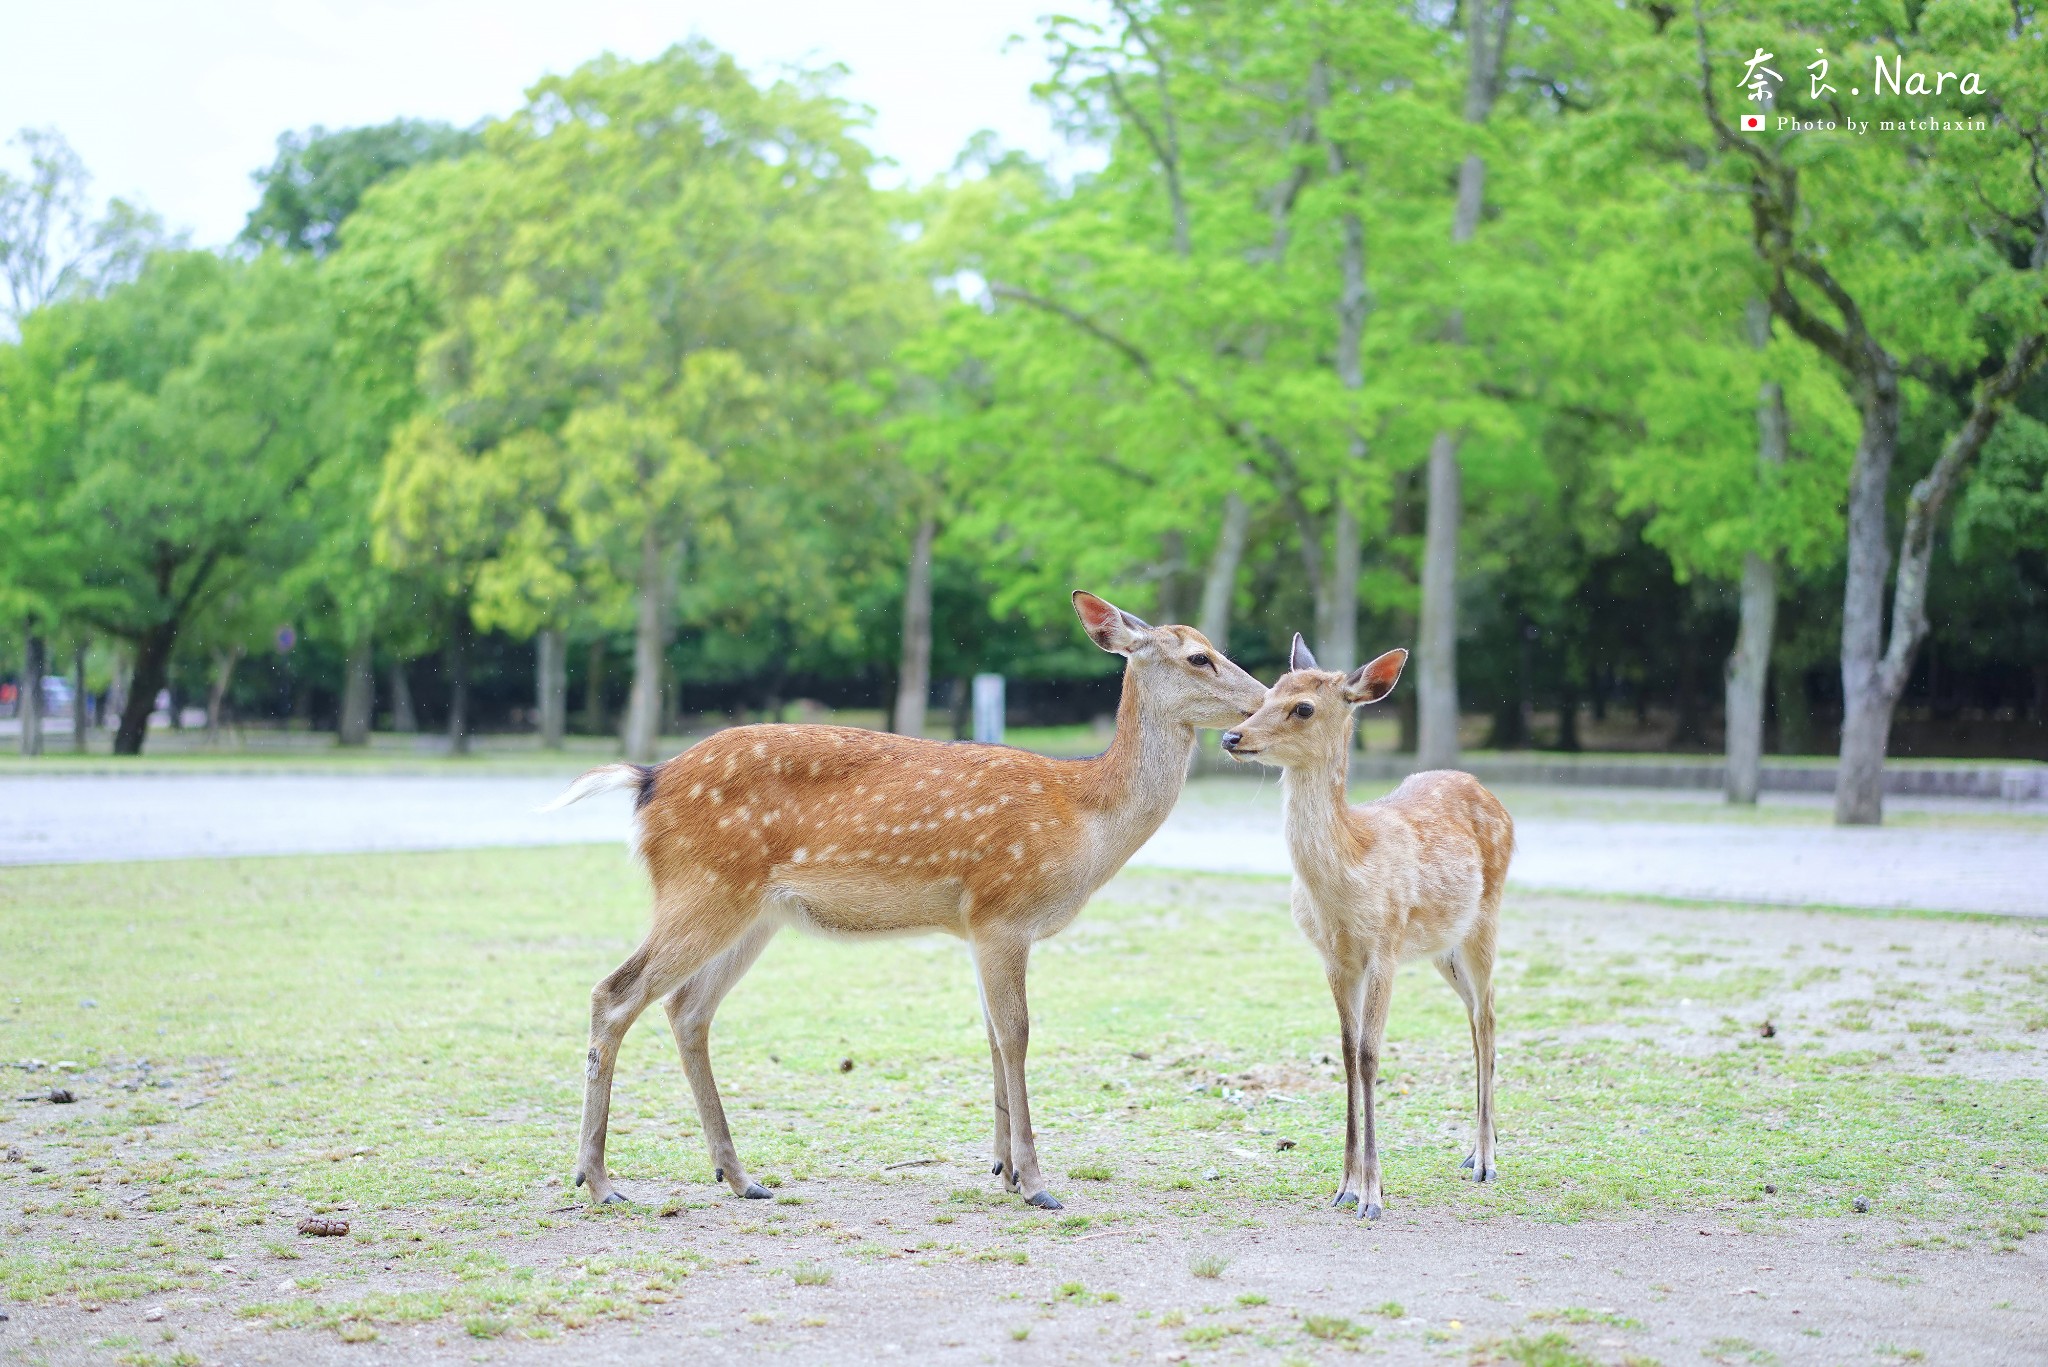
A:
(1379, 995)
(1003, 1167)
(615, 1004)
(1001, 967)
(1344, 988)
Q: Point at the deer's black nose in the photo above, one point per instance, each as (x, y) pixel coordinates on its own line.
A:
(1231, 738)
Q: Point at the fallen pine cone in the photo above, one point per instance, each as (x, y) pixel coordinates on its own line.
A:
(321, 1228)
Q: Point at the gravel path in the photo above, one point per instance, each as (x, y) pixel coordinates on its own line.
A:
(1643, 844)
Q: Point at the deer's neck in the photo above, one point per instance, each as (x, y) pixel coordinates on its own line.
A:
(1316, 819)
(1130, 788)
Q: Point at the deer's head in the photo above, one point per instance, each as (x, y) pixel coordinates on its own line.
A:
(1305, 720)
(1180, 673)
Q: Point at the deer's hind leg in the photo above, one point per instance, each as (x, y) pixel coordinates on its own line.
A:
(682, 941)
(1469, 971)
(690, 1009)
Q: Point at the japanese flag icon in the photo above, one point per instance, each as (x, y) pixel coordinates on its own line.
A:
(1752, 123)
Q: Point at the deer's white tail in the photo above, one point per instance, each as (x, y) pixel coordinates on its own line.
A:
(604, 779)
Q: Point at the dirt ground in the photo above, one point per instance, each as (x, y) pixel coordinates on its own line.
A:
(927, 1263)
(1301, 1283)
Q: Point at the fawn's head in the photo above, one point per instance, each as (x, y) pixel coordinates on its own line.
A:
(1305, 719)
(1188, 679)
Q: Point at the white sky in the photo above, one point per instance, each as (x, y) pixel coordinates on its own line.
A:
(173, 103)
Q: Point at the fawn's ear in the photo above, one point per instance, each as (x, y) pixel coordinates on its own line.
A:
(1371, 682)
(1299, 658)
(1109, 626)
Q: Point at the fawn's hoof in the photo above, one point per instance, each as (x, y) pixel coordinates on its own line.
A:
(756, 1192)
(1045, 1200)
(1372, 1211)
(1344, 1199)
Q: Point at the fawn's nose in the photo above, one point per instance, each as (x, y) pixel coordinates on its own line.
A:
(1231, 738)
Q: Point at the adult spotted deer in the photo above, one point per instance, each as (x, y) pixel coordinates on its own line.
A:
(1418, 873)
(853, 832)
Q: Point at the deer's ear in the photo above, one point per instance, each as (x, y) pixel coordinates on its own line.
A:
(1299, 658)
(1371, 682)
(1109, 626)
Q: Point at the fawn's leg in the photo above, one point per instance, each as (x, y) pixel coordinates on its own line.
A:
(1345, 989)
(669, 955)
(1001, 966)
(1372, 1035)
(1458, 973)
(690, 1009)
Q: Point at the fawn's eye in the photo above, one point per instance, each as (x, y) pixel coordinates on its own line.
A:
(1201, 661)
(1304, 710)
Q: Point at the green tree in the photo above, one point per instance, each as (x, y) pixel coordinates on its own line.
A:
(1913, 264)
(320, 176)
(196, 413)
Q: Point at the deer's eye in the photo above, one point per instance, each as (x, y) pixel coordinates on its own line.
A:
(1201, 661)
(1304, 710)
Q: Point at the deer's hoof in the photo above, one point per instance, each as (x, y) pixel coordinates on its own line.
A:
(1344, 1199)
(1045, 1200)
(615, 1198)
(997, 1170)
(1468, 1161)
(756, 1192)
(1488, 1174)
(1372, 1211)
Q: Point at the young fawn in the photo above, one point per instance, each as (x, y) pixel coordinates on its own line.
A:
(1417, 873)
(852, 832)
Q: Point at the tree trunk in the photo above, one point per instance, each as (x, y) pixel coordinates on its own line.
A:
(593, 688)
(1749, 665)
(1173, 578)
(33, 667)
(643, 705)
(1866, 712)
(224, 662)
(152, 668)
(1219, 583)
(1486, 34)
(551, 686)
(914, 676)
(1337, 625)
(81, 709)
(358, 697)
(458, 681)
(1436, 666)
(405, 718)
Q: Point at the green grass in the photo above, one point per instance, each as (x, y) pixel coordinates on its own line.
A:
(400, 1037)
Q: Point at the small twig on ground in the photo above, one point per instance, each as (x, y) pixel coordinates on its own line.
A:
(912, 1163)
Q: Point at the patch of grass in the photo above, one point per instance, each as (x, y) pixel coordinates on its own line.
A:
(1209, 1335)
(283, 996)
(1250, 1298)
(1021, 1332)
(810, 1274)
(1392, 1310)
(1548, 1350)
(1737, 1350)
(1331, 1328)
(1207, 1265)
(1579, 1314)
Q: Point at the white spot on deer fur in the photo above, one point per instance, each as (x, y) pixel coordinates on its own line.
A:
(859, 788)
(761, 749)
(695, 789)
(1034, 825)
(799, 856)
(1036, 786)
(723, 822)
(1016, 851)
(716, 797)
(814, 768)
(903, 859)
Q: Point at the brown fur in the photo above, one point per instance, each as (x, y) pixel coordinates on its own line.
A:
(1417, 874)
(853, 832)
